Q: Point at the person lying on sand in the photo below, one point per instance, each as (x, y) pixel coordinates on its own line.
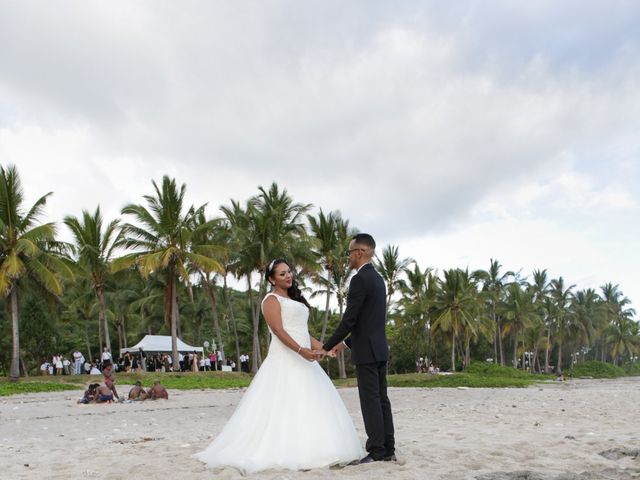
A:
(137, 392)
(157, 391)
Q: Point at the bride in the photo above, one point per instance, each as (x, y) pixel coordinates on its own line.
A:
(291, 416)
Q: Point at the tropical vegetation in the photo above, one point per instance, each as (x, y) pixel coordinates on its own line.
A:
(169, 267)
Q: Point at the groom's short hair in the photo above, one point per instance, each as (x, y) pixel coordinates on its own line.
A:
(365, 239)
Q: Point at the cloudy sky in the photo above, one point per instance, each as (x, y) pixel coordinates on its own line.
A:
(460, 131)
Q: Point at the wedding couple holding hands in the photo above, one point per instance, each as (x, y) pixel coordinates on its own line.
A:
(291, 416)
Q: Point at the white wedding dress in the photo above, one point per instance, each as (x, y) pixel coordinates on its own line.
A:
(291, 416)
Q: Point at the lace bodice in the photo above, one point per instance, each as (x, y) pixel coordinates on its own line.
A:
(294, 320)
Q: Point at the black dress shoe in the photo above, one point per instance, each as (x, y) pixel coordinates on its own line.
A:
(368, 459)
(390, 458)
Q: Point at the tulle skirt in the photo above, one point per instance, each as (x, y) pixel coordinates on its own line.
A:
(290, 417)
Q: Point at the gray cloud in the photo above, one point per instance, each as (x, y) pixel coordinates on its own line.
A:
(403, 117)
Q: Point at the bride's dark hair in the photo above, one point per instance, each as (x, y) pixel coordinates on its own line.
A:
(293, 291)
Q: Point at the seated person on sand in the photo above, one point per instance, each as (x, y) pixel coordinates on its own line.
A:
(91, 394)
(157, 391)
(105, 394)
(137, 392)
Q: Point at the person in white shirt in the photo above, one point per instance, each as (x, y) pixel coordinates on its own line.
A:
(78, 360)
(106, 355)
(59, 364)
(66, 364)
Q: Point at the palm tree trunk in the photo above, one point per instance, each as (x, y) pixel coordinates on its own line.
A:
(24, 367)
(546, 351)
(453, 350)
(515, 348)
(86, 336)
(119, 330)
(255, 361)
(176, 311)
(214, 313)
(124, 331)
(500, 344)
(102, 316)
(14, 371)
(325, 320)
(467, 351)
(262, 291)
(559, 367)
(225, 292)
(174, 319)
(100, 336)
(496, 334)
(342, 368)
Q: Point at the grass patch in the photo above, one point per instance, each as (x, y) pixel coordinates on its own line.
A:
(13, 388)
(596, 370)
(493, 370)
(187, 381)
(479, 375)
(463, 379)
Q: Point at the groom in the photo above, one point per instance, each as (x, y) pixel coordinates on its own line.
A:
(363, 323)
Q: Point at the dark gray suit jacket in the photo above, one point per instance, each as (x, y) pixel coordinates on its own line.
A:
(364, 319)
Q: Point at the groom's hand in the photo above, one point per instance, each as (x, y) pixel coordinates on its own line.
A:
(337, 349)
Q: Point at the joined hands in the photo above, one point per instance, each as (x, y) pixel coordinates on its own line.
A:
(320, 353)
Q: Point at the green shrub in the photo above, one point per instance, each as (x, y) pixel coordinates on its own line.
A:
(632, 369)
(596, 370)
(484, 369)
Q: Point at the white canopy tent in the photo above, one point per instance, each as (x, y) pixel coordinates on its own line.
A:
(159, 343)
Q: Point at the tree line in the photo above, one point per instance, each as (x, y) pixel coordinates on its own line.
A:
(165, 266)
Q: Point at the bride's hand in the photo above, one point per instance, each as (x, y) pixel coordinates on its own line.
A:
(308, 354)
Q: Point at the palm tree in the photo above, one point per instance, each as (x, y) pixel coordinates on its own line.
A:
(540, 289)
(456, 308)
(329, 252)
(613, 306)
(418, 298)
(519, 312)
(225, 237)
(560, 303)
(80, 306)
(340, 275)
(162, 239)
(624, 338)
(269, 227)
(27, 250)
(390, 266)
(207, 235)
(94, 247)
(493, 286)
(587, 311)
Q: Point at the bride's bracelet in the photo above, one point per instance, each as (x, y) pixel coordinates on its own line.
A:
(299, 349)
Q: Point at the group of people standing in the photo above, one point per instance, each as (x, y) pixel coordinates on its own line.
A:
(140, 361)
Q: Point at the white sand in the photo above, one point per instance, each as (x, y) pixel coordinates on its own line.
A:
(441, 433)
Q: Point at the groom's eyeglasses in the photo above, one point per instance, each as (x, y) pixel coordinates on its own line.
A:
(349, 252)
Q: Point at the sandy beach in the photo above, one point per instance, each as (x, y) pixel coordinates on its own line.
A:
(579, 429)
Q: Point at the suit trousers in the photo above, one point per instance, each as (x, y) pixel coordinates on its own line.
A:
(376, 409)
